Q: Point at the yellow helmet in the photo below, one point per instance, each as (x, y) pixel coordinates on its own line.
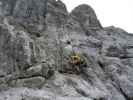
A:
(76, 58)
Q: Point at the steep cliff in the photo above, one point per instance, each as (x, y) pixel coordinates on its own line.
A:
(36, 40)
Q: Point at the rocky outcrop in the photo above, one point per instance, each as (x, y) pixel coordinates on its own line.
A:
(37, 39)
(86, 16)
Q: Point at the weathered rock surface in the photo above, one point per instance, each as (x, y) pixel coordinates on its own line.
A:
(36, 40)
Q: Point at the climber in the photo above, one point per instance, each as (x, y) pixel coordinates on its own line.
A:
(74, 62)
(68, 49)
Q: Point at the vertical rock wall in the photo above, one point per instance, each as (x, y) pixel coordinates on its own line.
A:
(36, 38)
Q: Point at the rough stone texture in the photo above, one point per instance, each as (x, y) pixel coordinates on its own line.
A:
(34, 82)
(86, 16)
(34, 49)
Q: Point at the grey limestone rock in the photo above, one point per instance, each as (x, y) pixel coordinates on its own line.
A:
(37, 40)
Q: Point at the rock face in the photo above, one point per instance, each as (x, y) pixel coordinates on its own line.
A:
(37, 40)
